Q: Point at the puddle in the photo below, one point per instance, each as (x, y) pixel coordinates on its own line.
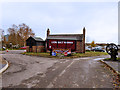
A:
(85, 58)
(81, 58)
(77, 59)
(98, 58)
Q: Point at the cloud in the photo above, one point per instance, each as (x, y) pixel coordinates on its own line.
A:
(100, 19)
(59, 0)
(104, 26)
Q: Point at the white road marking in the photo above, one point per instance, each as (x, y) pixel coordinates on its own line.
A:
(66, 68)
(94, 85)
(62, 73)
(51, 83)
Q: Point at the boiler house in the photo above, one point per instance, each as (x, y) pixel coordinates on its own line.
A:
(74, 42)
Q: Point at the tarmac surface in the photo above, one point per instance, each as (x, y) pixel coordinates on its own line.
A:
(39, 72)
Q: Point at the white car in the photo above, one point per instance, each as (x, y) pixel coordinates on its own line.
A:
(4, 47)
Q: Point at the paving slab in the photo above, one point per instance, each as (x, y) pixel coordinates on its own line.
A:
(113, 64)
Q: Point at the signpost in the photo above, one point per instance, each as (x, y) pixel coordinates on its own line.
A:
(62, 44)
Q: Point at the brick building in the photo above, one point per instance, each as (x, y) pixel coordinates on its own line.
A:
(35, 44)
(75, 42)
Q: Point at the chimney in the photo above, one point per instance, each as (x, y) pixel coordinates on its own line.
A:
(84, 40)
(48, 32)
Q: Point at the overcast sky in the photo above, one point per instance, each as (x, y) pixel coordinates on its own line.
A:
(99, 18)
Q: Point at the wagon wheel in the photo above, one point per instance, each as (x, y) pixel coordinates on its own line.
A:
(111, 47)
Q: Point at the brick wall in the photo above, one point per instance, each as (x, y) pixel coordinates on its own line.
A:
(34, 48)
(40, 48)
(30, 50)
(79, 47)
(27, 49)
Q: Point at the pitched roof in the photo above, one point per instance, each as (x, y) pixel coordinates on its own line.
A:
(66, 36)
(37, 38)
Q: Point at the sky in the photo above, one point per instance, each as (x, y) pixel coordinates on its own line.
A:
(98, 17)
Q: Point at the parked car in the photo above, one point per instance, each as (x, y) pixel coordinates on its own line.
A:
(98, 50)
(87, 48)
(23, 48)
(4, 48)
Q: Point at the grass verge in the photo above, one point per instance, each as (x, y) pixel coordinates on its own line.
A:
(74, 55)
(109, 59)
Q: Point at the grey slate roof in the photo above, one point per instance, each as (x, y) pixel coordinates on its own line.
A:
(66, 36)
(38, 38)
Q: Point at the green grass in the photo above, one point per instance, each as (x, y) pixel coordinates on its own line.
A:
(15, 49)
(37, 54)
(109, 59)
(89, 54)
(74, 55)
(1, 49)
(40, 54)
(118, 50)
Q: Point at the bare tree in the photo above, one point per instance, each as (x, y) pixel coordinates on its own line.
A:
(25, 32)
(12, 34)
(19, 34)
(1, 38)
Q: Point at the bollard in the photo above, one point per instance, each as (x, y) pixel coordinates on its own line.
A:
(24, 51)
(7, 50)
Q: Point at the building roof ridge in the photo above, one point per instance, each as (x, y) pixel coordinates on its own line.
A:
(37, 38)
(64, 34)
